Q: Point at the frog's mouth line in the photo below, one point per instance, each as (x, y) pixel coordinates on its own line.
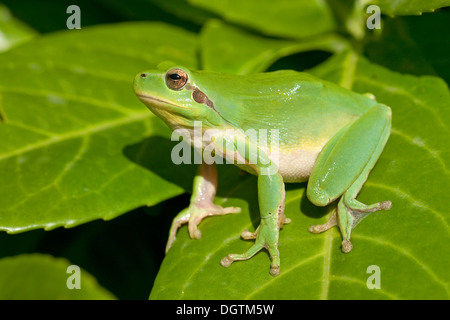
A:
(158, 101)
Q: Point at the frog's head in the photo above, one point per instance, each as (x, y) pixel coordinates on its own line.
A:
(171, 93)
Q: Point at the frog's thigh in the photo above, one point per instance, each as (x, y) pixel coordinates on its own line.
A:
(347, 159)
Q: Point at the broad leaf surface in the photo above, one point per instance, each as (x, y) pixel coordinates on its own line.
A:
(160, 10)
(408, 243)
(183, 9)
(285, 18)
(43, 277)
(72, 132)
(230, 49)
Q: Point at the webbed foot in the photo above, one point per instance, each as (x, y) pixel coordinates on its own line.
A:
(265, 236)
(348, 214)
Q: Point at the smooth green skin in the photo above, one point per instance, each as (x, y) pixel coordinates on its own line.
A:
(337, 136)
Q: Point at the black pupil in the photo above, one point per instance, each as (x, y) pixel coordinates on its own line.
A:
(175, 76)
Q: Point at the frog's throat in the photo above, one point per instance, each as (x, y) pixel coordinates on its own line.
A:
(158, 101)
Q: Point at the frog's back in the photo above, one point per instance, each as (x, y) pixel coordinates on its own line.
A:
(300, 106)
(304, 110)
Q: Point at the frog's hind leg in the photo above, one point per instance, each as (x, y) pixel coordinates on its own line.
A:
(350, 211)
(342, 169)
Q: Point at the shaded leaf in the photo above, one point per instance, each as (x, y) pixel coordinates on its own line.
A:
(229, 49)
(183, 9)
(285, 18)
(12, 30)
(176, 12)
(71, 123)
(408, 243)
(43, 277)
(350, 17)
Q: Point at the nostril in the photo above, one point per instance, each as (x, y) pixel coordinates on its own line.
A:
(143, 75)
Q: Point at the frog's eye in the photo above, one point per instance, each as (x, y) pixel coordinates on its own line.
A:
(176, 79)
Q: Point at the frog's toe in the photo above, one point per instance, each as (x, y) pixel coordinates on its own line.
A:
(194, 232)
(318, 228)
(385, 205)
(247, 235)
(264, 238)
(198, 213)
(347, 246)
(219, 210)
(227, 261)
(193, 216)
(275, 270)
(178, 221)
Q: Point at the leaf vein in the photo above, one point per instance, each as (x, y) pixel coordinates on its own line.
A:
(362, 283)
(71, 97)
(274, 279)
(407, 94)
(409, 255)
(432, 153)
(413, 202)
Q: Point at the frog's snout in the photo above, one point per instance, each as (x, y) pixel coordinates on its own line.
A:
(139, 80)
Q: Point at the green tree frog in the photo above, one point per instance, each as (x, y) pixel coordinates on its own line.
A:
(327, 135)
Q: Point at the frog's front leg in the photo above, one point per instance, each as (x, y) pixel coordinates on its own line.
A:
(201, 205)
(271, 195)
(342, 169)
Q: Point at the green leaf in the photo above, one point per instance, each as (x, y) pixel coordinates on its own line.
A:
(408, 243)
(43, 277)
(175, 12)
(285, 18)
(229, 49)
(12, 30)
(72, 131)
(183, 9)
(409, 7)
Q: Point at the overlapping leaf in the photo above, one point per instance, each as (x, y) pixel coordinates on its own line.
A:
(28, 276)
(229, 49)
(285, 18)
(12, 30)
(72, 131)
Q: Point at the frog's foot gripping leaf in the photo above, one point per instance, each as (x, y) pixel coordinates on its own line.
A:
(201, 206)
(346, 217)
(193, 215)
(266, 236)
